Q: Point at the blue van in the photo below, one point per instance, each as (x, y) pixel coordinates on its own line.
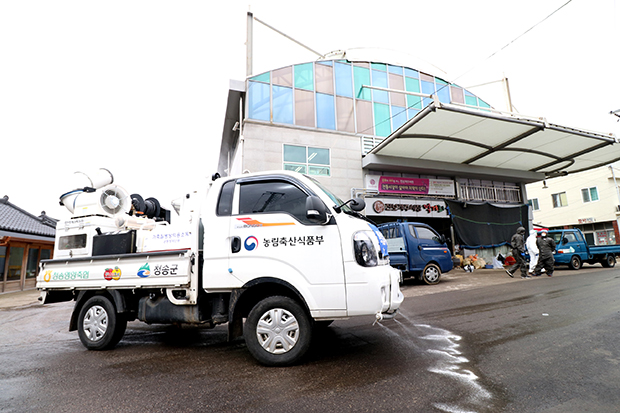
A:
(417, 250)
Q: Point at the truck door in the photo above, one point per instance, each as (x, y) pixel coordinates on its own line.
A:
(429, 245)
(573, 242)
(272, 238)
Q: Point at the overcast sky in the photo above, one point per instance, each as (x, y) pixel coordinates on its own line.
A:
(140, 87)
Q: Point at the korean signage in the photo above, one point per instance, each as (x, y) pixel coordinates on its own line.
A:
(398, 207)
(413, 186)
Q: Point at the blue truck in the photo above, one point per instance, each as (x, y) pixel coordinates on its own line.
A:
(573, 250)
(417, 250)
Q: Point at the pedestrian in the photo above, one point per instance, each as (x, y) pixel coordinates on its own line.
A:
(517, 242)
(532, 249)
(546, 248)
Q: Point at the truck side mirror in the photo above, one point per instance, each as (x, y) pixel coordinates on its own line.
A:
(316, 211)
(357, 204)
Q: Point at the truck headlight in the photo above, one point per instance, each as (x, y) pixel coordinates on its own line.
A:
(365, 251)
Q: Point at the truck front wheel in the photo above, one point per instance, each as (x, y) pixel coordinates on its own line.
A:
(575, 263)
(100, 327)
(277, 331)
(431, 274)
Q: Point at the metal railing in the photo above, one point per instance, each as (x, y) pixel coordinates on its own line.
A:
(489, 193)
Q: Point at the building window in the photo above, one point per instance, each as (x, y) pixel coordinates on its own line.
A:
(559, 200)
(589, 194)
(534, 204)
(307, 160)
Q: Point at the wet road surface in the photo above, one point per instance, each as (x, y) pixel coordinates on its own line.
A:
(475, 344)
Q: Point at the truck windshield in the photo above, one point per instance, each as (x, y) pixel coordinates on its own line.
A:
(331, 196)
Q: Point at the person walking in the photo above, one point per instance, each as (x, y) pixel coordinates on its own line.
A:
(517, 242)
(532, 249)
(546, 247)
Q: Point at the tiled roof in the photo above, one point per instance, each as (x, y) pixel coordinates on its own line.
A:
(15, 219)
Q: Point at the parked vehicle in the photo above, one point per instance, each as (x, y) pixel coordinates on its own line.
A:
(276, 249)
(572, 250)
(417, 250)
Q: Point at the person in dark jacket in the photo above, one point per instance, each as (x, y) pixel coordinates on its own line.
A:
(546, 248)
(518, 252)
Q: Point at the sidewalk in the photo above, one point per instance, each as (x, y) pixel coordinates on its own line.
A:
(19, 298)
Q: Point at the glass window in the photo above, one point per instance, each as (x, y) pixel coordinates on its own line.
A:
(272, 197)
(325, 114)
(364, 117)
(534, 204)
(380, 79)
(345, 118)
(443, 91)
(32, 263)
(46, 254)
(382, 119)
(361, 77)
(413, 85)
(378, 66)
(412, 73)
(429, 89)
(282, 104)
(399, 117)
(412, 112)
(397, 83)
(304, 108)
(258, 101)
(293, 153)
(457, 94)
(16, 256)
(559, 200)
(470, 99)
(427, 233)
(311, 160)
(261, 78)
(589, 194)
(304, 78)
(344, 80)
(71, 242)
(397, 70)
(224, 204)
(324, 79)
(282, 77)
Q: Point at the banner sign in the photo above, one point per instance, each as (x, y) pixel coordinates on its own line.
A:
(395, 207)
(413, 186)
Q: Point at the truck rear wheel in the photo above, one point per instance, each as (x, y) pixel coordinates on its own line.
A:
(431, 274)
(277, 331)
(609, 261)
(575, 263)
(100, 327)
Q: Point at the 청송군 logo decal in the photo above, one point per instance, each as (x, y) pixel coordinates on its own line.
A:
(251, 243)
(144, 271)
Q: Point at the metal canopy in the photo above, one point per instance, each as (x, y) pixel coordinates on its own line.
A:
(459, 135)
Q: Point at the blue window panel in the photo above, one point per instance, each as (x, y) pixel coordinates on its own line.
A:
(380, 79)
(344, 80)
(399, 117)
(258, 101)
(282, 104)
(443, 92)
(483, 104)
(361, 77)
(397, 70)
(412, 112)
(325, 113)
(382, 119)
(428, 87)
(412, 73)
(325, 62)
(262, 78)
(378, 66)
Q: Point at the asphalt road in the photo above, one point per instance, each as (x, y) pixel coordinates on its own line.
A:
(477, 342)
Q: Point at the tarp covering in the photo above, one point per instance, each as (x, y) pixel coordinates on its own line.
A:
(485, 225)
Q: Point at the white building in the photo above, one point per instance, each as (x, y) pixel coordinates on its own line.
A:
(588, 200)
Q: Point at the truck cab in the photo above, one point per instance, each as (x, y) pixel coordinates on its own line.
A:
(417, 250)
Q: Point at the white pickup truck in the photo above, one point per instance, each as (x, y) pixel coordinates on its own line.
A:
(276, 249)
